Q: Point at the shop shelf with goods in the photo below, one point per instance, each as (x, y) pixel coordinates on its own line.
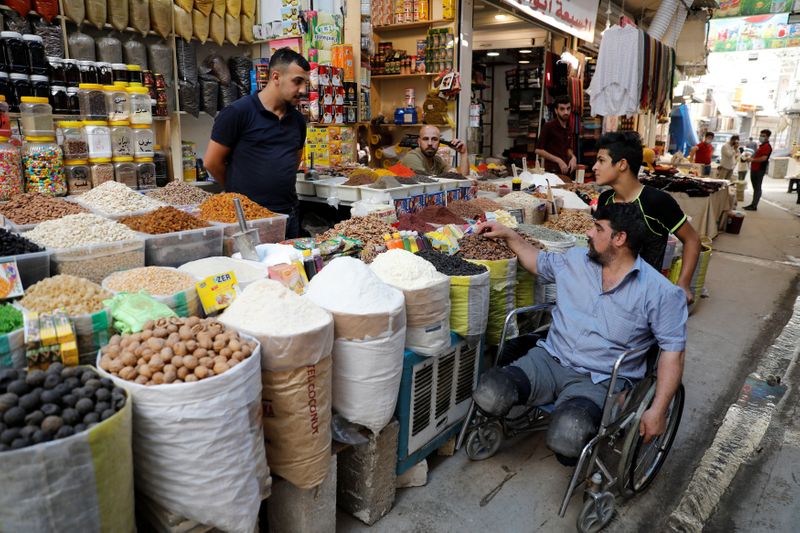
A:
(482, 110)
(409, 55)
(526, 104)
(591, 126)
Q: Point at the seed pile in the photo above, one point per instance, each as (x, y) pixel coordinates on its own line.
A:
(114, 198)
(361, 176)
(158, 281)
(33, 207)
(419, 178)
(79, 230)
(369, 230)
(440, 215)
(483, 248)
(451, 176)
(164, 220)
(179, 193)
(531, 240)
(451, 265)
(13, 244)
(77, 296)
(572, 221)
(387, 182)
(39, 406)
(520, 200)
(175, 350)
(543, 233)
(473, 209)
(413, 222)
(220, 208)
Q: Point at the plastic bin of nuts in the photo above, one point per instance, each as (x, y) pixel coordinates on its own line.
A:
(96, 261)
(32, 267)
(270, 230)
(175, 249)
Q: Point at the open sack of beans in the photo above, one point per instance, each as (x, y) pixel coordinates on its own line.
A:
(369, 335)
(502, 265)
(195, 385)
(82, 301)
(296, 342)
(66, 462)
(469, 292)
(165, 285)
(427, 296)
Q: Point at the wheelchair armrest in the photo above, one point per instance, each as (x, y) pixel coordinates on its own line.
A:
(612, 383)
(513, 314)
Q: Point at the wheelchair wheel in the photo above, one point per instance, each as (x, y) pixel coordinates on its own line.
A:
(484, 441)
(596, 513)
(641, 462)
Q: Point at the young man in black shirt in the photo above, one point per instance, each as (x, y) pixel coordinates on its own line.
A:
(619, 157)
(257, 142)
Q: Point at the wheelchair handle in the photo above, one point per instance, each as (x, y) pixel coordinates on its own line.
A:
(612, 384)
(510, 316)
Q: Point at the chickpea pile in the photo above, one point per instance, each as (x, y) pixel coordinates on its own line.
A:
(175, 350)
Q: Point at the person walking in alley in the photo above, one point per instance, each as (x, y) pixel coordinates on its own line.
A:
(758, 167)
(727, 161)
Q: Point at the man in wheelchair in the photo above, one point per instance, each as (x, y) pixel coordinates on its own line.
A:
(608, 301)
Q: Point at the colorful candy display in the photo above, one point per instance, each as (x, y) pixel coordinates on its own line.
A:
(44, 167)
(10, 171)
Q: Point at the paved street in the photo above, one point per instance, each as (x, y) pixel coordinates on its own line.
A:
(752, 287)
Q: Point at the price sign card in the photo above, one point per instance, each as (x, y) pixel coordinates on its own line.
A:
(217, 292)
(10, 282)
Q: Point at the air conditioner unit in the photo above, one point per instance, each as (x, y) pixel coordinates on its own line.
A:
(435, 394)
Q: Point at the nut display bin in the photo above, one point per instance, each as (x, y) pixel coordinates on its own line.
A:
(305, 188)
(96, 261)
(332, 187)
(177, 248)
(270, 230)
(396, 193)
(32, 267)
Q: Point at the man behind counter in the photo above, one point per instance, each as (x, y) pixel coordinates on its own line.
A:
(257, 142)
(555, 140)
(423, 159)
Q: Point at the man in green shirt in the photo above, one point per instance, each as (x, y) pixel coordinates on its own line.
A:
(423, 160)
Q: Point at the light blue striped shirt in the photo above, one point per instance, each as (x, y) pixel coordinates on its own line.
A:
(592, 327)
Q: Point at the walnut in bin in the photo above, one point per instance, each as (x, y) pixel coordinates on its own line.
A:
(175, 350)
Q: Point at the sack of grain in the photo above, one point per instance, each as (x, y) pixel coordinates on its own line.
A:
(183, 23)
(502, 294)
(78, 483)
(469, 304)
(96, 12)
(233, 29)
(200, 25)
(216, 28)
(92, 331)
(233, 8)
(139, 15)
(204, 6)
(161, 20)
(75, 11)
(118, 14)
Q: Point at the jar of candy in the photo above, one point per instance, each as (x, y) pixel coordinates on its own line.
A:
(79, 178)
(43, 165)
(75, 145)
(92, 101)
(58, 74)
(143, 140)
(16, 53)
(117, 102)
(161, 163)
(121, 139)
(73, 102)
(40, 85)
(20, 86)
(72, 72)
(37, 59)
(141, 110)
(145, 172)
(125, 171)
(88, 72)
(105, 74)
(101, 170)
(5, 122)
(59, 100)
(37, 116)
(98, 135)
(10, 169)
(120, 72)
(5, 84)
(135, 75)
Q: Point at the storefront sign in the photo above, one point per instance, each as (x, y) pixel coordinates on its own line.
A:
(747, 8)
(575, 17)
(752, 33)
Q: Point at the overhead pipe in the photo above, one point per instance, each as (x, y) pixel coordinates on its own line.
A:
(677, 25)
(663, 19)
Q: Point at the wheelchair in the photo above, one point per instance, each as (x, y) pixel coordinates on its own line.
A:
(615, 462)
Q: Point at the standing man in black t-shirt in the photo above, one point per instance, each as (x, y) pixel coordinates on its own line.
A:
(257, 142)
(619, 157)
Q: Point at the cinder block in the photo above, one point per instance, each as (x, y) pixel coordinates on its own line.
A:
(294, 510)
(448, 449)
(416, 476)
(367, 476)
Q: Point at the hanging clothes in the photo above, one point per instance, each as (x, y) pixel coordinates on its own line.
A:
(616, 87)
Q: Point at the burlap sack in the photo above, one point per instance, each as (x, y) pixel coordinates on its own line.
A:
(200, 25)
(297, 422)
(216, 28)
(233, 29)
(183, 23)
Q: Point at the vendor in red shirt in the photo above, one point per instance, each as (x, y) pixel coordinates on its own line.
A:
(758, 167)
(701, 154)
(555, 140)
